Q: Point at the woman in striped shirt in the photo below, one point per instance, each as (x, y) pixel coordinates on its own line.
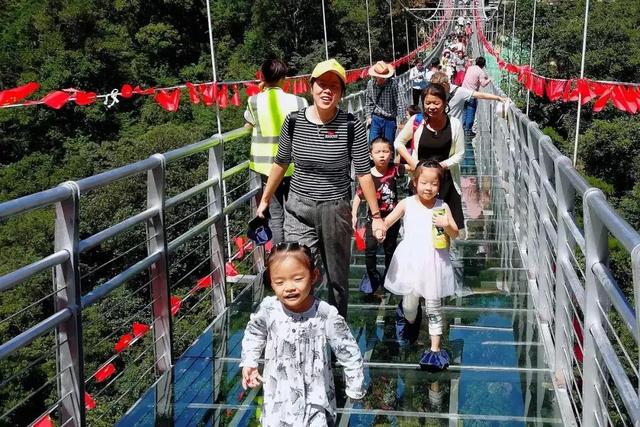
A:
(322, 141)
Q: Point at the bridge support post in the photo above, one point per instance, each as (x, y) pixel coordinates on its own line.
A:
(69, 354)
(216, 231)
(596, 302)
(160, 289)
(563, 344)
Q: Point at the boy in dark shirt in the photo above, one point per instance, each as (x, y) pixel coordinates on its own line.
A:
(385, 174)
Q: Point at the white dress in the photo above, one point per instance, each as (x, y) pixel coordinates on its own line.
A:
(417, 268)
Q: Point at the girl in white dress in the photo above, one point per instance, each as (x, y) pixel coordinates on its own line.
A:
(295, 329)
(418, 269)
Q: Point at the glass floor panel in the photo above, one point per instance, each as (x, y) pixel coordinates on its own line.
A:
(498, 377)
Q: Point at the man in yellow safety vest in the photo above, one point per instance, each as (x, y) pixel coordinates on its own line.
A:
(265, 113)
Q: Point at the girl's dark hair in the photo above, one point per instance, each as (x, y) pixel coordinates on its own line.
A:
(413, 110)
(436, 89)
(286, 249)
(429, 164)
(273, 70)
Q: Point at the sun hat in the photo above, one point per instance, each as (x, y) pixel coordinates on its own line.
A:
(382, 69)
(329, 66)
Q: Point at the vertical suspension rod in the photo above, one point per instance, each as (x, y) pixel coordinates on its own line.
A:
(584, 49)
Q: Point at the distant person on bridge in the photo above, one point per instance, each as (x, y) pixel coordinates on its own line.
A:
(438, 137)
(459, 95)
(265, 114)
(475, 78)
(384, 104)
(419, 81)
(434, 67)
(322, 141)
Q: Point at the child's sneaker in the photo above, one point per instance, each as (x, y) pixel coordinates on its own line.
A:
(407, 333)
(434, 361)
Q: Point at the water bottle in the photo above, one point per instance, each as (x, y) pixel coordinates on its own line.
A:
(440, 238)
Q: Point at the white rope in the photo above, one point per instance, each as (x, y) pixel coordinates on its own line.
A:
(584, 49)
(324, 24)
(406, 31)
(393, 44)
(213, 64)
(513, 37)
(369, 34)
(533, 33)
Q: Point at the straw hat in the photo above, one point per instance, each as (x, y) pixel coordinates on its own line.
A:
(382, 69)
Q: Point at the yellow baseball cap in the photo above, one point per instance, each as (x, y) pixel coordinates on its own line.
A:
(330, 66)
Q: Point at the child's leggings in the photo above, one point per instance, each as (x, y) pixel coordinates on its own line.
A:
(434, 312)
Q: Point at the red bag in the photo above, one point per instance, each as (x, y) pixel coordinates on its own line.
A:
(359, 238)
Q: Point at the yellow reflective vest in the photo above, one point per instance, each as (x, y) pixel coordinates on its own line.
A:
(266, 111)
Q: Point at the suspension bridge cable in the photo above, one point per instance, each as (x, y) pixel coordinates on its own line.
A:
(324, 25)
(513, 37)
(533, 33)
(584, 49)
(369, 34)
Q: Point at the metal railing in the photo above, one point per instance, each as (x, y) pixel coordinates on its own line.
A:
(567, 231)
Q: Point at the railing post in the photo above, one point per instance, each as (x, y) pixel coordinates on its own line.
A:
(563, 325)
(533, 198)
(69, 355)
(255, 183)
(635, 269)
(216, 231)
(544, 280)
(597, 249)
(160, 289)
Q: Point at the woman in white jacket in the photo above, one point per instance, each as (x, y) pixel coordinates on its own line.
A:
(440, 137)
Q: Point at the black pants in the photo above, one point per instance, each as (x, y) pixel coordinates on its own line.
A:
(389, 244)
(417, 97)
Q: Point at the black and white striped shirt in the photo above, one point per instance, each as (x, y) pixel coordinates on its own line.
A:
(320, 154)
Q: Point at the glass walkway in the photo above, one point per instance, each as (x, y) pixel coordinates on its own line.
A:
(498, 377)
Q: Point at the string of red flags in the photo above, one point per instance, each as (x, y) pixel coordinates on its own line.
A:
(623, 96)
(222, 94)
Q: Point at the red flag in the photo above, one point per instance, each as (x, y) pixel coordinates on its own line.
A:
(44, 421)
(85, 98)
(252, 89)
(176, 302)
(105, 372)
(555, 89)
(230, 270)
(11, 96)
(140, 329)
(240, 242)
(210, 94)
(123, 342)
(235, 99)
(126, 91)
(359, 238)
(170, 101)
(204, 282)
(89, 403)
(287, 83)
(194, 96)
(602, 102)
(139, 91)
(584, 88)
(56, 100)
(632, 102)
(223, 93)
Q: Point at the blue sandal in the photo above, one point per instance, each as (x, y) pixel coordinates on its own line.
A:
(435, 361)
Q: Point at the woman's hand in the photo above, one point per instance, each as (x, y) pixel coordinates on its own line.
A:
(379, 228)
(262, 208)
(354, 221)
(251, 378)
(444, 165)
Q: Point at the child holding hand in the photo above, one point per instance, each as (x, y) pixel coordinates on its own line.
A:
(293, 328)
(421, 265)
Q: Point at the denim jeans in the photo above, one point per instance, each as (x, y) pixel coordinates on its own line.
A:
(469, 113)
(382, 127)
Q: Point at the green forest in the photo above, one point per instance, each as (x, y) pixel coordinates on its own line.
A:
(101, 44)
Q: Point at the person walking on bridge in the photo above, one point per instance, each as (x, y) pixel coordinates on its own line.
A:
(384, 104)
(265, 114)
(475, 78)
(322, 141)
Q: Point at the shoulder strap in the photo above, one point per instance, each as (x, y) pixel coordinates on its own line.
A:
(453, 92)
(293, 116)
(351, 131)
